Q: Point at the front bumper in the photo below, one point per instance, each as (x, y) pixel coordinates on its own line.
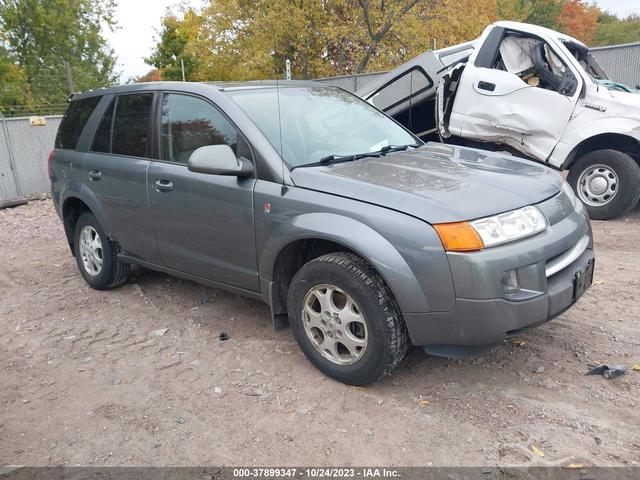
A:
(485, 322)
(484, 312)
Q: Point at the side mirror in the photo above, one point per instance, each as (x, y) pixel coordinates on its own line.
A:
(219, 160)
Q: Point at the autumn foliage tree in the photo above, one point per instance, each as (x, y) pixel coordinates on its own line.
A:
(579, 20)
(251, 39)
(242, 39)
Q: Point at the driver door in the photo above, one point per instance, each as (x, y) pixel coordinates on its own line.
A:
(203, 223)
(504, 95)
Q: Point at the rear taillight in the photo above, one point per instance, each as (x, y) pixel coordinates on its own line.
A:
(50, 163)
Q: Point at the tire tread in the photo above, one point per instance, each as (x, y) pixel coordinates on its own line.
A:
(363, 272)
(119, 270)
(628, 171)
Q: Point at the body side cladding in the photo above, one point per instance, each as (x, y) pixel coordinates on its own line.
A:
(131, 259)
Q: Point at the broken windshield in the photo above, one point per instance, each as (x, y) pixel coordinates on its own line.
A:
(318, 122)
(586, 60)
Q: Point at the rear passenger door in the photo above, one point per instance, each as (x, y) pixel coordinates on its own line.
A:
(116, 171)
(203, 222)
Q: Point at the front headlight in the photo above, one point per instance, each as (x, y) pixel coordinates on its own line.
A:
(510, 226)
(568, 191)
(491, 231)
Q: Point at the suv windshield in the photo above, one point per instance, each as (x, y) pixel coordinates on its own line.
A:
(318, 122)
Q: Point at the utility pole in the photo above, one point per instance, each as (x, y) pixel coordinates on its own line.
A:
(182, 65)
(69, 75)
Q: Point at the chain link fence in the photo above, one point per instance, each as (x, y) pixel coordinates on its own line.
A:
(25, 144)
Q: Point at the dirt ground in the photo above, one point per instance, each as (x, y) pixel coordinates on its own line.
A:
(89, 378)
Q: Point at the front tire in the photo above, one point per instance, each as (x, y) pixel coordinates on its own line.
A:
(96, 255)
(345, 319)
(607, 182)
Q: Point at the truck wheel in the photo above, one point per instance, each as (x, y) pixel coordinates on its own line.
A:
(346, 319)
(607, 182)
(96, 255)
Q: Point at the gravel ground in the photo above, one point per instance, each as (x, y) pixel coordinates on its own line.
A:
(138, 375)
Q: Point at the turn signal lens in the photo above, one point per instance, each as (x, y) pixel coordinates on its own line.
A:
(459, 237)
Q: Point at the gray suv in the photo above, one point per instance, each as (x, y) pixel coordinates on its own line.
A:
(359, 236)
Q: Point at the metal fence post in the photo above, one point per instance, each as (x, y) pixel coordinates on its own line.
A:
(12, 165)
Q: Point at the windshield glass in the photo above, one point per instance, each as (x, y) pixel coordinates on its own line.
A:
(317, 122)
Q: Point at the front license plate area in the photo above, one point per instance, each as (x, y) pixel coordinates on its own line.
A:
(583, 280)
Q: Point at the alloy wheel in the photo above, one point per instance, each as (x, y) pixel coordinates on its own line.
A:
(335, 324)
(91, 250)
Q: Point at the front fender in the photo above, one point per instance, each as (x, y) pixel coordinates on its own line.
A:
(581, 130)
(358, 237)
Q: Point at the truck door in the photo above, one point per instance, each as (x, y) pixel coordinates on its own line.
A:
(516, 90)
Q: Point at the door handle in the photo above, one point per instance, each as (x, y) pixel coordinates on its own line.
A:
(489, 87)
(95, 175)
(164, 185)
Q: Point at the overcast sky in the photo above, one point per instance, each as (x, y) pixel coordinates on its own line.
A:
(139, 19)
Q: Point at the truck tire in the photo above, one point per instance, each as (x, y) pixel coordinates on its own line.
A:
(607, 182)
(345, 319)
(96, 255)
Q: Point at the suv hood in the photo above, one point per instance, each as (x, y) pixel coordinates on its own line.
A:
(437, 183)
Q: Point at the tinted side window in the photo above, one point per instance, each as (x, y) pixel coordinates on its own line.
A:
(102, 140)
(72, 123)
(414, 81)
(189, 123)
(131, 124)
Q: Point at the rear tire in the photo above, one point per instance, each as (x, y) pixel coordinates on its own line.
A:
(361, 336)
(96, 255)
(607, 182)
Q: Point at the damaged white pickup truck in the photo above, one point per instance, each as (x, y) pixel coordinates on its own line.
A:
(531, 91)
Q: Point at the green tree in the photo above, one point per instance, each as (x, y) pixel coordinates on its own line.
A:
(13, 88)
(611, 30)
(542, 12)
(40, 35)
(171, 48)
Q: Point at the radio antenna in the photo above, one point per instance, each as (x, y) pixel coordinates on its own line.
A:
(284, 186)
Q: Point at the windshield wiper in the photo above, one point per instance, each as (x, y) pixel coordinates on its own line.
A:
(395, 148)
(333, 159)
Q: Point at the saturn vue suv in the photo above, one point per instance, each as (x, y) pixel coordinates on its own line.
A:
(359, 236)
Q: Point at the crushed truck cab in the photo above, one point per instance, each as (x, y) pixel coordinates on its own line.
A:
(531, 91)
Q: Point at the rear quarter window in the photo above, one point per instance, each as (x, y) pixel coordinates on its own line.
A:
(131, 124)
(73, 121)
